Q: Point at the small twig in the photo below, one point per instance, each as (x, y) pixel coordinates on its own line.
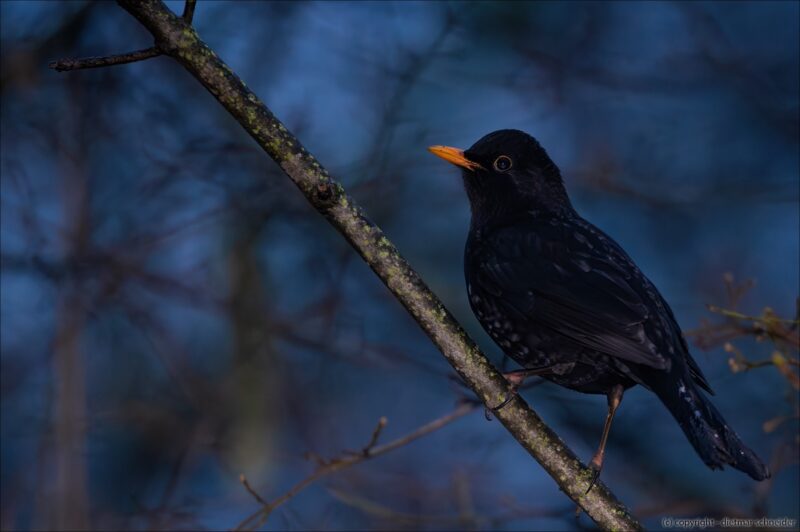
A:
(375, 435)
(734, 290)
(739, 316)
(771, 425)
(250, 490)
(782, 331)
(347, 460)
(63, 65)
(188, 10)
(314, 457)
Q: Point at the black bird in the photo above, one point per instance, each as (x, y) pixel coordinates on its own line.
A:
(566, 302)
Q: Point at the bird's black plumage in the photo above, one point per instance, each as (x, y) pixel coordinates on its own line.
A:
(558, 294)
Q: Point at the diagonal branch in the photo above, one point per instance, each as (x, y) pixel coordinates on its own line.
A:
(175, 37)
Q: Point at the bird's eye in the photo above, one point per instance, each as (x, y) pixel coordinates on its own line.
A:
(502, 164)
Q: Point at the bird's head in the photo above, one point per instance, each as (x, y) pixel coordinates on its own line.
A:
(508, 171)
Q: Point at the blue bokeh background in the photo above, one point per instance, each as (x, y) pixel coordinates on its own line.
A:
(175, 314)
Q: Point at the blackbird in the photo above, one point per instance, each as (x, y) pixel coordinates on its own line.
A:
(564, 300)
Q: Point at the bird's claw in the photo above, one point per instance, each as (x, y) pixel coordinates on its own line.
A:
(595, 469)
(512, 393)
(515, 380)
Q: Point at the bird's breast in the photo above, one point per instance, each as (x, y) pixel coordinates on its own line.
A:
(522, 342)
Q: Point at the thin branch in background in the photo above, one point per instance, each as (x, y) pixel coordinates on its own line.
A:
(67, 64)
(768, 326)
(375, 435)
(251, 491)
(735, 324)
(736, 291)
(63, 65)
(348, 459)
(783, 336)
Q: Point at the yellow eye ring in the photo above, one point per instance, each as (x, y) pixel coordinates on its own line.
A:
(503, 164)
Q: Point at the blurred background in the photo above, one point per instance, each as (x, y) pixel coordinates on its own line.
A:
(175, 315)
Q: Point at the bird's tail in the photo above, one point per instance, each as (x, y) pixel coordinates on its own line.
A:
(712, 438)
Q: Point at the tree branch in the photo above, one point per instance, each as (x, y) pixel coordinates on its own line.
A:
(176, 38)
(371, 450)
(63, 65)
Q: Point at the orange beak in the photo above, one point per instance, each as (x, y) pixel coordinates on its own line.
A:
(455, 156)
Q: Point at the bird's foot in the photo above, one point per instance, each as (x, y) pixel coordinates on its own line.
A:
(513, 390)
(595, 474)
(595, 466)
(515, 380)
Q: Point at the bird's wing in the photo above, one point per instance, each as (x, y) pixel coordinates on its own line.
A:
(573, 280)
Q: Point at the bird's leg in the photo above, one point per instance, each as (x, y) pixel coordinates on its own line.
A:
(614, 400)
(515, 380)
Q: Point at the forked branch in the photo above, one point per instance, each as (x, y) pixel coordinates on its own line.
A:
(348, 459)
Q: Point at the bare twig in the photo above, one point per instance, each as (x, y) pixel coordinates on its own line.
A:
(188, 10)
(176, 38)
(739, 316)
(326, 467)
(63, 65)
(251, 491)
(367, 450)
(735, 324)
(783, 334)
